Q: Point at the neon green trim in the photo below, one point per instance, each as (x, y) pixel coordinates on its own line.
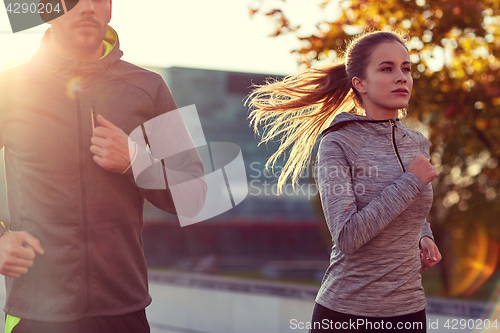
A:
(107, 48)
(109, 41)
(3, 229)
(11, 322)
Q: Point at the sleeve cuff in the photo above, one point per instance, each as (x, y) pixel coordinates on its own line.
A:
(132, 160)
(3, 229)
(415, 181)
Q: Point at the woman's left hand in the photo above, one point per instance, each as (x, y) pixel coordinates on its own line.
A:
(429, 253)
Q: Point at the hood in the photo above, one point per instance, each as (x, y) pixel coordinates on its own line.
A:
(62, 67)
(345, 118)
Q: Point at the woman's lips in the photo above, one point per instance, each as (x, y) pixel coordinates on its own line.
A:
(401, 91)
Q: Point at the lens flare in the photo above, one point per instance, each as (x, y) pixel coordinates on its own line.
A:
(73, 85)
(492, 314)
(477, 265)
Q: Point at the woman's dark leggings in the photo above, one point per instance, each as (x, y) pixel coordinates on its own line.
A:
(326, 320)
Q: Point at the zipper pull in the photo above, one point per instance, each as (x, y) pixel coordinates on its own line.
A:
(92, 117)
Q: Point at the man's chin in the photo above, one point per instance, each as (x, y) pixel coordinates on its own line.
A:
(88, 32)
(87, 40)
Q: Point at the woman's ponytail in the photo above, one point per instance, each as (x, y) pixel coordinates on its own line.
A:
(296, 111)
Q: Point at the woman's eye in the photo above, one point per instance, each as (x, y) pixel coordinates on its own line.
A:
(406, 69)
(388, 69)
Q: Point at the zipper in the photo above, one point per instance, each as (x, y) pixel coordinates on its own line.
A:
(393, 136)
(92, 117)
(84, 198)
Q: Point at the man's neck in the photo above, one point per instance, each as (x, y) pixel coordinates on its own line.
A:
(65, 52)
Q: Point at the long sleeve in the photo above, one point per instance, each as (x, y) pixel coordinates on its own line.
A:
(167, 168)
(4, 93)
(426, 231)
(352, 228)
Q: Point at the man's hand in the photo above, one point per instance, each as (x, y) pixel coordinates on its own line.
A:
(110, 146)
(17, 252)
(429, 253)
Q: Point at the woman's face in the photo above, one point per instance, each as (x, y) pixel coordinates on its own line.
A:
(387, 85)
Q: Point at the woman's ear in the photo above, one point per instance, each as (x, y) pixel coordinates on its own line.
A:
(359, 85)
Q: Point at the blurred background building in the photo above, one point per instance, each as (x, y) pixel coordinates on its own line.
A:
(262, 232)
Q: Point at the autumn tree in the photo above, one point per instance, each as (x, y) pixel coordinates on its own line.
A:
(455, 54)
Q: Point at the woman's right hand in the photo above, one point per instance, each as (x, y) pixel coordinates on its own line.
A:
(422, 168)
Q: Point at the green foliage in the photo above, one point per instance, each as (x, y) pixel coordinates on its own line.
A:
(455, 54)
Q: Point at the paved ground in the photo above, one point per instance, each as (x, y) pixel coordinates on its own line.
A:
(436, 324)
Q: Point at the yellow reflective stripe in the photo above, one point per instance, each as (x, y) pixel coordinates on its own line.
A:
(3, 229)
(107, 47)
(10, 323)
(109, 41)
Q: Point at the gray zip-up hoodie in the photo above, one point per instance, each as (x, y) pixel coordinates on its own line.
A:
(376, 213)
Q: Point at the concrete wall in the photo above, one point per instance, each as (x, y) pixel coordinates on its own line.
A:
(177, 309)
(196, 303)
(199, 303)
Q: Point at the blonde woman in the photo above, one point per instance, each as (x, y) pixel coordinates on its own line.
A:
(373, 176)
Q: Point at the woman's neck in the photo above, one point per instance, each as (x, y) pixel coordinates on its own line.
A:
(382, 114)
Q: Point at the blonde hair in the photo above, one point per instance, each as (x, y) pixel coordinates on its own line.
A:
(297, 109)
